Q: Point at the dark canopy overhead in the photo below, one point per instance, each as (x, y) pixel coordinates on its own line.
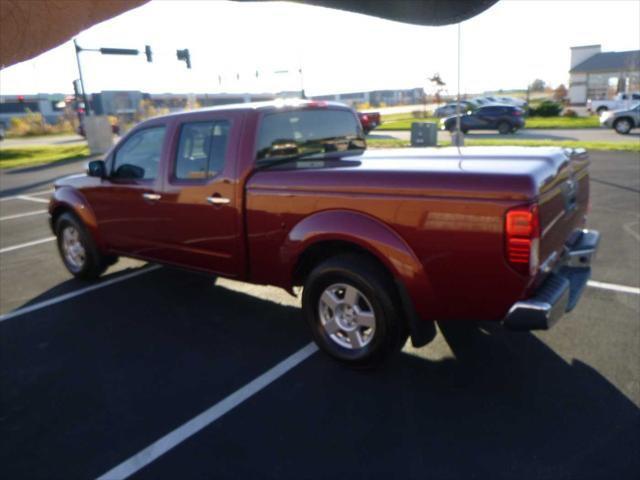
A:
(418, 12)
(29, 28)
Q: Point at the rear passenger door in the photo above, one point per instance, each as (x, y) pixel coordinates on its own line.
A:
(199, 204)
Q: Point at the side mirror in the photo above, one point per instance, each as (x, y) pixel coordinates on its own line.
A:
(97, 168)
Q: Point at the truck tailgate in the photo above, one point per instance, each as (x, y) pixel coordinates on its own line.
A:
(563, 203)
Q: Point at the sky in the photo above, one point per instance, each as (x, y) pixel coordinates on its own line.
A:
(506, 47)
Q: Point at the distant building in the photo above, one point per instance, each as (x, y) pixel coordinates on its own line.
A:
(599, 75)
(51, 106)
(376, 98)
(126, 103)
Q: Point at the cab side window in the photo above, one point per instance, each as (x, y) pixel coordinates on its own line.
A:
(139, 157)
(201, 150)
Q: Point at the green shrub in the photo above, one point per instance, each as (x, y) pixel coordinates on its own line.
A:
(33, 123)
(546, 108)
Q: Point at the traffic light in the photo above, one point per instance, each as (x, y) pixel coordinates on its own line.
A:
(184, 55)
(148, 53)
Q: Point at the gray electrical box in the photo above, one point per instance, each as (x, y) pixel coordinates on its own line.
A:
(424, 134)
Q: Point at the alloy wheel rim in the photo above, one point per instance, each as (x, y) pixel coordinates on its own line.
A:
(346, 315)
(74, 251)
(623, 126)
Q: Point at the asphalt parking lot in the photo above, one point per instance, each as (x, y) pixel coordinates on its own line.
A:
(158, 373)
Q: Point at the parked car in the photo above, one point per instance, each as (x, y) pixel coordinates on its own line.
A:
(622, 121)
(2, 132)
(450, 108)
(518, 102)
(620, 101)
(369, 121)
(481, 101)
(504, 118)
(384, 242)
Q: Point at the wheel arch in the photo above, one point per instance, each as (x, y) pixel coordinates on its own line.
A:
(627, 118)
(331, 232)
(67, 200)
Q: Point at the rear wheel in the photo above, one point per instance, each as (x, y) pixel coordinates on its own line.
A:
(504, 128)
(351, 306)
(78, 250)
(623, 126)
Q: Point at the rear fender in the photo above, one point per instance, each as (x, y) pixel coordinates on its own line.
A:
(371, 235)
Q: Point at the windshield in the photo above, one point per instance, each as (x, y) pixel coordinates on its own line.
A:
(294, 133)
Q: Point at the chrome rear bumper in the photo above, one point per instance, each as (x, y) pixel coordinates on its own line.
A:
(562, 288)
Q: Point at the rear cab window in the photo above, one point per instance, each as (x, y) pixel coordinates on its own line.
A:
(329, 132)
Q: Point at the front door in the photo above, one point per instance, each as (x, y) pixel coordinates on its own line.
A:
(199, 200)
(125, 203)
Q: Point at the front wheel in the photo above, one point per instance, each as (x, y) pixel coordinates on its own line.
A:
(78, 250)
(351, 306)
(623, 126)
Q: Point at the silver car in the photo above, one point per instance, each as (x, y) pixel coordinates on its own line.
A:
(622, 121)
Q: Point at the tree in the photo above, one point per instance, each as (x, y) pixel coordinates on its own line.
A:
(560, 93)
(538, 85)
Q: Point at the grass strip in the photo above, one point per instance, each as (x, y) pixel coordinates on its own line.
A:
(37, 155)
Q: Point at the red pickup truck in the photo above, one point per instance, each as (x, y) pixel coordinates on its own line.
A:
(383, 242)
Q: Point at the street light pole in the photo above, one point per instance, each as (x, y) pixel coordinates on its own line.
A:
(458, 137)
(458, 102)
(302, 94)
(87, 107)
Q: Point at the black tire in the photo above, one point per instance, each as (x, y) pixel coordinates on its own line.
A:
(464, 130)
(377, 296)
(93, 264)
(623, 125)
(600, 110)
(504, 128)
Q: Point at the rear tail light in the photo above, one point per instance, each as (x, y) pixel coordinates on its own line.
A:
(522, 231)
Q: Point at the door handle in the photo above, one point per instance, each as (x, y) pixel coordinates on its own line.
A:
(151, 196)
(218, 200)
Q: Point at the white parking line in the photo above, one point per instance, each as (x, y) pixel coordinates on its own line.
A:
(206, 418)
(75, 293)
(28, 244)
(32, 199)
(614, 287)
(26, 214)
(17, 197)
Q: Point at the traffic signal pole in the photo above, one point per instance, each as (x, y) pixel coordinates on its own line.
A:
(110, 51)
(87, 107)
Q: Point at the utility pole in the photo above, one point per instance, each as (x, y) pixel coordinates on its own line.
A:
(87, 107)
